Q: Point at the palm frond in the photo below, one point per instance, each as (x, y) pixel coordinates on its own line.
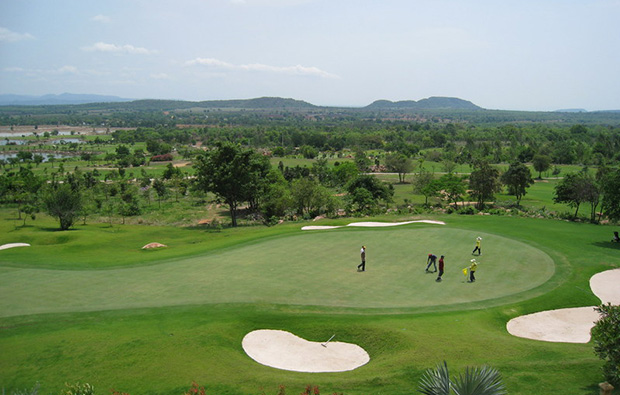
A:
(479, 381)
(435, 381)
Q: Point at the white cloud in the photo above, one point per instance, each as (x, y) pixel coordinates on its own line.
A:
(101, 18)
(9, 36)
(160, 76)
(13, 69)
(295, 70)
(130, 49)
(68, 70)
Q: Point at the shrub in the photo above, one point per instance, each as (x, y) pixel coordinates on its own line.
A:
(78, 389)
(606, 337)
(196, 390)
(161, 158)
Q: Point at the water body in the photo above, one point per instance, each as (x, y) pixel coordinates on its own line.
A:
(13, 142)
(67, 141)
(46, 156)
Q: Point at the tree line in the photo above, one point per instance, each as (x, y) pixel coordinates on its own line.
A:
(244, 180)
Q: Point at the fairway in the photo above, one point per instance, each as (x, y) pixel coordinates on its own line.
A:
(316, 268)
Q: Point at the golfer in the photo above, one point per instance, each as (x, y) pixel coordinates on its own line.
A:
(478, 240)
(363, 264)
(472, 270)
(440, 269)
(432, 260)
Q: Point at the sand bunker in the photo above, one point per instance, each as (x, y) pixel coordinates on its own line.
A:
(374, 224)
(154, 245)
(568, 325)
(563, 325)
(13, 245)
(606, 286)
(283, 350)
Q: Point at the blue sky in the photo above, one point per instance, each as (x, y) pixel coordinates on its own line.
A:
(516, 55)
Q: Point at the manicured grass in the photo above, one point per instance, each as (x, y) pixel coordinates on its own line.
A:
(316, 269)
(161, 350)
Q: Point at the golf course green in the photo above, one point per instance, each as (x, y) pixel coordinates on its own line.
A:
(178, 317)
(316, 268)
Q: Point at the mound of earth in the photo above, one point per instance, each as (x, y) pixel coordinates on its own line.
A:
(154, 245)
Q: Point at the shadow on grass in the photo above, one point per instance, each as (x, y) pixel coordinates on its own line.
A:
(592, 389)
(607, 244)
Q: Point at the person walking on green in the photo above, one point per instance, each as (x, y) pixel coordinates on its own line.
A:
(363, 256)
(478, 240)
(441, 265)
(472, 270)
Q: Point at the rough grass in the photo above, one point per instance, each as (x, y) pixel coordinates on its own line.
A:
(161, 350)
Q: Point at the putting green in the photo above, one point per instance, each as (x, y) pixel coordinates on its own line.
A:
(307, 268)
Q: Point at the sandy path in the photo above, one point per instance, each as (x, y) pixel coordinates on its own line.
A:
(568, 325)
(283, 350)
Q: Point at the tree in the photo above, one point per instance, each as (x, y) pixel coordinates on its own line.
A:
(484, 183)
(452, 187)
(517, 178)
(278, 198)
(160, 188)
(64, 203)
(362, 161)
(400, 164)
(320, 170)
(475, 381)
(606, 338)
(610, 189)
(343, 173)
(378, 189)
(424, 184)
(20, 187)
(541, 163)
(310, 197)
(576, 188)
(365, 193)
(232, 173)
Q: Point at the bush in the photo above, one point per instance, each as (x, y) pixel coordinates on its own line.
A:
(161, 158)
(606, 337)
(78, 389)
(467, 210)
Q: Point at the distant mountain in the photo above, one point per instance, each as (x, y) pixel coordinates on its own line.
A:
(261, 102)
(432, 103)
(64, 98)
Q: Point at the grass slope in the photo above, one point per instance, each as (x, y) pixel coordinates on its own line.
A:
(161, 350)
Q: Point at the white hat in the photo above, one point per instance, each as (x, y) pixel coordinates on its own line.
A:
(478, 238)
(473, 260)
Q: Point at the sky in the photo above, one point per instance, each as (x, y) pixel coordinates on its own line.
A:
(530, 55)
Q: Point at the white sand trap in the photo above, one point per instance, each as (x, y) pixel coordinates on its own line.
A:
(380, 224)
(153, 245)
(374, 224)
(606, 286)
(318, 227)
(283, 350)
(568, 325)
(13, 245)
(562, 326)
